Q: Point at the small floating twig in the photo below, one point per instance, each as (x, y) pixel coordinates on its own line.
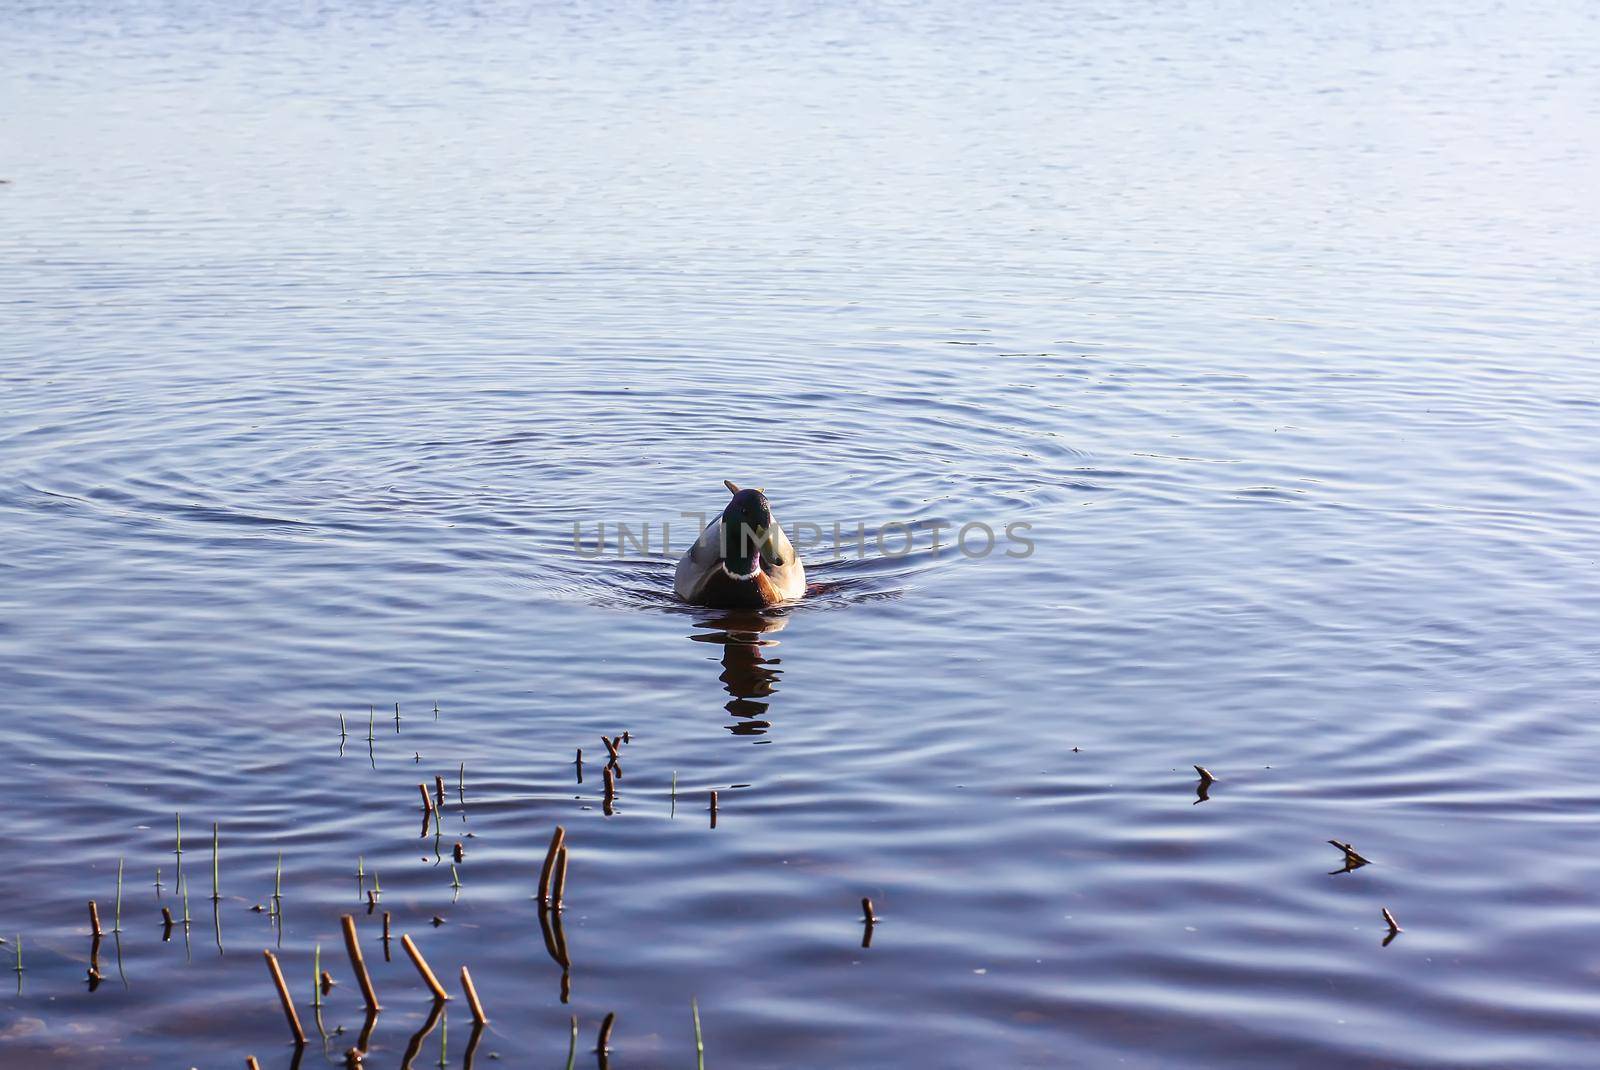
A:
(556, 840)
(353, 947)
(1394, 927)
(603, 1042)
(283, 997)
(1352, 857)
(422, 968)
(478, 1017)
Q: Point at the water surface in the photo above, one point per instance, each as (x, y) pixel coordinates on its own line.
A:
(324, 326)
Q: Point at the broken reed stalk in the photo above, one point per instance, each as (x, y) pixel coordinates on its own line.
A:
(94, 920)
(603, 1042)
(358, 964)
(611, 748)
(1394, 926)
(1205, 775)
(250, 1063)
(558, 884)
(166, 917)
(283, 997)
(386, 926)
(422, 968)
(572, 1043)
(116, 924)
(316, 977)
(427, 803)
(611, 783)
(216, 850)
(713, 809)
(557, 838)
(699, 1044)
(867, 914)
(478, 1017)
(438, 788)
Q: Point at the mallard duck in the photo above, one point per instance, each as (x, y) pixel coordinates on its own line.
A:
(743, 560)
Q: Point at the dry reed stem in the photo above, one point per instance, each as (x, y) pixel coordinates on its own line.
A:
(283, 997)
(558, 885)
(478, 1017)
(422, 968)
(358, 964)
(556, 840)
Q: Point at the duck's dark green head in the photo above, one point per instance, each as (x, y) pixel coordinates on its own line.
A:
(746, 523)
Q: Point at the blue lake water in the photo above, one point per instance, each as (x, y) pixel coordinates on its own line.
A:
(322, 329)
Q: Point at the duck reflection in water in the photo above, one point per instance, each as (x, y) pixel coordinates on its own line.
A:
(749, 673)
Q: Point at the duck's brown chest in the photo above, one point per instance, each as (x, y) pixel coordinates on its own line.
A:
(725, 592)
